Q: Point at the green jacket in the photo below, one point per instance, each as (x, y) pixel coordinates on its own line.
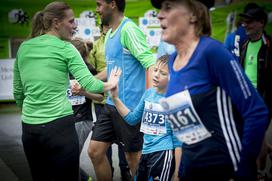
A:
(41, 78)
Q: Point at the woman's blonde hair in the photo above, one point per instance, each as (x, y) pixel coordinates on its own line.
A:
(42, 20)
(203, 24)
(201, 17)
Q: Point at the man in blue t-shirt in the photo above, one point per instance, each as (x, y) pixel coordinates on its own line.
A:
(125, 47)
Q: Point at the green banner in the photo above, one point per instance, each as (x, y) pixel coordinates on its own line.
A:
(4, 48)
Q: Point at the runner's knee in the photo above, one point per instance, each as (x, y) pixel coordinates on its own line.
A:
(96, 151)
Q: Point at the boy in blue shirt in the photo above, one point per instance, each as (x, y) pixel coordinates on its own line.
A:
(157, 160)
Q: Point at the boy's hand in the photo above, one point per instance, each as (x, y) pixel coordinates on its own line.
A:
(114, 76)
(114, 92)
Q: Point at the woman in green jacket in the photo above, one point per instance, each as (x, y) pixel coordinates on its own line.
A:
(41, 78)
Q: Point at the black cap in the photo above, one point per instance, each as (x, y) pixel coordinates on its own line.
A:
(256, 13)
(156, 3)
(249, 6)
(208, 3)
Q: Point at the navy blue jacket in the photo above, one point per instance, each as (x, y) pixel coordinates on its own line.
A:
(228, 106)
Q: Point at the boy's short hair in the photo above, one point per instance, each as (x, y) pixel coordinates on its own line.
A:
(163, 59)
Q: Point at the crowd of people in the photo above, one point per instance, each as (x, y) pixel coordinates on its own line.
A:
(205, 115)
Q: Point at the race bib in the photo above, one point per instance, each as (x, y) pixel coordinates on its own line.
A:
(153, 119)
(74, 99)
(184, 120)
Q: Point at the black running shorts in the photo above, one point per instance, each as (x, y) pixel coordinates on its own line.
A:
(110, 127)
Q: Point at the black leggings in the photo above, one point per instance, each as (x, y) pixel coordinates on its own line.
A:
(52, 150)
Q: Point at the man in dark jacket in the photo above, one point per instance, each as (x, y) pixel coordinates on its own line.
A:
(256, 59)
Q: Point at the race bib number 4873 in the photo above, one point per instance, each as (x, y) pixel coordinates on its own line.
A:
(153, 120)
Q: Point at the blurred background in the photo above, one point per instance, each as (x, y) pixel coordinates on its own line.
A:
(15, 25)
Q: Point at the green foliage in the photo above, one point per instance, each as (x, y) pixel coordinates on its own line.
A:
(137, 9)
(134, 10)
(31, 7)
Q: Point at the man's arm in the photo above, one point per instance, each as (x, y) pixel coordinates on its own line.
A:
(149, 76)
(134, 40)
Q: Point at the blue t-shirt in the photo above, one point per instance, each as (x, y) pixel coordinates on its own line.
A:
(235, 40)
(152, 143)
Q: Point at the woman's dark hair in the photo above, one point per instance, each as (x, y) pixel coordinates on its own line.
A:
(84, 48)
